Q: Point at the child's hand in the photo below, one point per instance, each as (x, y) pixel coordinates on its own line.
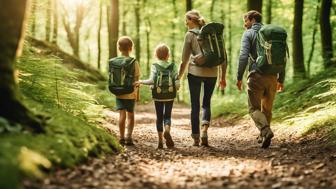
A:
(136, 83)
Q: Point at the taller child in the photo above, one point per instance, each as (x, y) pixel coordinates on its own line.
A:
(126, 103)
(261, 87)
(198, 76)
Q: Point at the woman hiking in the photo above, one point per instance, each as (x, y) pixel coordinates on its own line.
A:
(199, 77)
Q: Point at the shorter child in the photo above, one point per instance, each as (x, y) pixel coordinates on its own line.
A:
(124, 71)
(163, 78)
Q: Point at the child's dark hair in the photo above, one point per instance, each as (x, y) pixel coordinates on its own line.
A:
(125, 43)
(161, 51)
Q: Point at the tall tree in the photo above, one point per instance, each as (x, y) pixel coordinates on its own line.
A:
(137, 29)
(113, 27)
(12, 27)
(254, 5)
(189, 5)
(269, 12)
(124, 20)
(148, 32)
(48, 20)
(99, 32)
(55, 21)
(298, 58)
(326, 33)
(212, 8)
(33, 17)
(73, 35)
(311, 53)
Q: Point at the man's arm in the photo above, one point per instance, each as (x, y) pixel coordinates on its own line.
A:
(243, 58)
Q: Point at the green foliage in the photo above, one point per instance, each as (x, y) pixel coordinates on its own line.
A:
(72, 132)
(229, 106)
(309, 104)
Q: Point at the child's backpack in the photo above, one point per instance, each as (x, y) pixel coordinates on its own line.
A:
(121, 75)
(164, 82)
(272, 49)
(211, 42)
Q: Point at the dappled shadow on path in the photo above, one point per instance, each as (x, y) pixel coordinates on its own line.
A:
(234, 159)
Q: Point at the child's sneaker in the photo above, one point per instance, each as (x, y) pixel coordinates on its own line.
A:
(129, 142)
(167, 136)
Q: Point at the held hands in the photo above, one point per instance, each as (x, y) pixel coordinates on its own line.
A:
(137, 83)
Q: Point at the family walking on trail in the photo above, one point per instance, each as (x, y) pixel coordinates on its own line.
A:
(263, 50)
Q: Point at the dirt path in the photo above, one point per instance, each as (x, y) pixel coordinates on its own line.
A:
(234, 160)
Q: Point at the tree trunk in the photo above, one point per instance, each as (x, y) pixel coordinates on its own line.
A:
(269, 12)
(148, 32)
(124, 21)
(48, 20)
(326, 33)
(311, 53)
(55, 20)
(212, 7)
(188, 5)
(12, 19)
(298, 58)
(99, 33)
(33, 17)
(113, 28)
(173, 37)
(137, 29)
(254, 5)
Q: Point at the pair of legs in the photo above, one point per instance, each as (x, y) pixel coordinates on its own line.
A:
(195, 85)
(163, 118)
(261, 93)
(123, 114)
(126, 112)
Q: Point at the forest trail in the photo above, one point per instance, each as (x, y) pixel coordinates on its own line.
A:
(234, 159)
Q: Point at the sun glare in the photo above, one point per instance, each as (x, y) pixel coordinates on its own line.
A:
(73, 3)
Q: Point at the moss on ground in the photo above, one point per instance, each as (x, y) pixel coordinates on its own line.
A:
(74, 107)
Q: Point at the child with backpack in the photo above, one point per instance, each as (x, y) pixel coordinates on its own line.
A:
(123, 72)
(163, 79)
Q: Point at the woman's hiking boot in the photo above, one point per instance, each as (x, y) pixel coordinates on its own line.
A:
(122, 142)
(160, 145)
(204, 135)
(267, 136)
(196, 141)
(167, 136)
(129, 142)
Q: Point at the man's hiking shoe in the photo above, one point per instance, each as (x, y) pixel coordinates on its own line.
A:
(266, 140)
(129, 142)
(122, 142)
(259, 139)
(160, 145)
(169, 140)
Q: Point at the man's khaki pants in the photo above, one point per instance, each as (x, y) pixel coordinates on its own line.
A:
(261, 93)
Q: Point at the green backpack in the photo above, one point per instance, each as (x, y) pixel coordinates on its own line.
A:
(121, 75)
(164, 83)
(211, 42)
(272, 49)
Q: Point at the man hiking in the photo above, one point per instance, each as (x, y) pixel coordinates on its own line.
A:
(262, 84)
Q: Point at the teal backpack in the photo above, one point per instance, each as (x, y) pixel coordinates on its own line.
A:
(121, 75)
(272, 49)
(211, 42)
(164, 82)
